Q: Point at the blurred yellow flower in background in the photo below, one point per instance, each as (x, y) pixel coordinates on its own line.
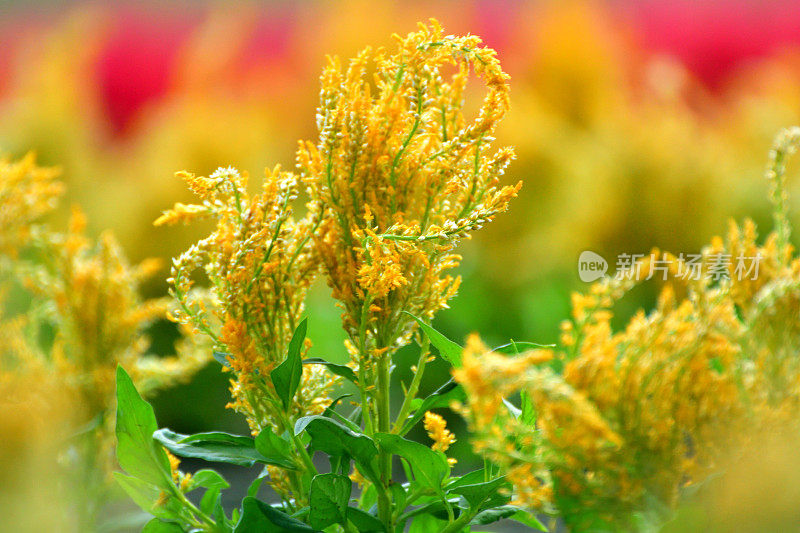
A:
(71, 313)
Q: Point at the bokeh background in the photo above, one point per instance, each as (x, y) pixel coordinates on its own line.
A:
(636, 123)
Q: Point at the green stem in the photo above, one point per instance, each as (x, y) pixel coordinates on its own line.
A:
(414, 496)
(405, 408)
(463, 520)
(205, 520)
(449, 508)
(366, 412)
(301, 450)
(384, 458)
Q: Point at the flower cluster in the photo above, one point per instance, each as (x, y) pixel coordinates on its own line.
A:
(99, 317)
(37, 414)
(401, 174)
(398, 177)
(442, 438)
(619, 419)
(260, 263)
(83, 316)
(27, 192)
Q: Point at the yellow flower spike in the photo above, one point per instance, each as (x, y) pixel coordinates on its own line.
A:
(100, 316)
(357, 478)
(28, 192)
(181, 214)
(174, 464)
(260, 263)
(402, 174)
(279, 482)
(186, 481)
(656, 406)
(436, 426)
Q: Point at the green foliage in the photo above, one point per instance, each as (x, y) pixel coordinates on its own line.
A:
(340, 370)
(216, 447)
(160, 526)
(335, 439)
(437, 501)
(147, 496)
(150, 482)
(138, 454)
(429, 467)
(476, 494)
(273, 449)
(209, 479)
(258, 516)
(442, 397)
(526, 518)
(286, 376)
(449, 350)
(363, 521)
(330, 494)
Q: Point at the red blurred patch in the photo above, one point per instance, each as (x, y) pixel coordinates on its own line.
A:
(714, 38)
(135, 66)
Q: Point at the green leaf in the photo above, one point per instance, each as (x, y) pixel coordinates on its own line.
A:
(252, 490)
(159, 526)
(427, 524)
(442, 397)
(471, 478)
(510, 512)
(328, 500)
(209, 479)
(222, 358)
(398, 495)
(429, 467)
(528, 415)
(210, 501)
(513, 410)
(223, 525)
(334, 438)
(145, 495)
(493, 515)
(364, 522)
(518, 347)
(340, 370)
(433, 507)
(524, 517)
(476, 494)
(138, 454)
(216, 447)
(448, 349)
(257, 516)
(330, 412)
(286, 377)
(274, 448)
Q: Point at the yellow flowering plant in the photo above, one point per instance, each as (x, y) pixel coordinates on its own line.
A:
(71, 312)
(616, 428)
(398, 177)
(608, 430)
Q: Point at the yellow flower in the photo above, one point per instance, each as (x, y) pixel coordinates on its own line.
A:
(401, 174)
(642, 412)
(260, 263)
(436, 426)
(181, 213)
(27, 192)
